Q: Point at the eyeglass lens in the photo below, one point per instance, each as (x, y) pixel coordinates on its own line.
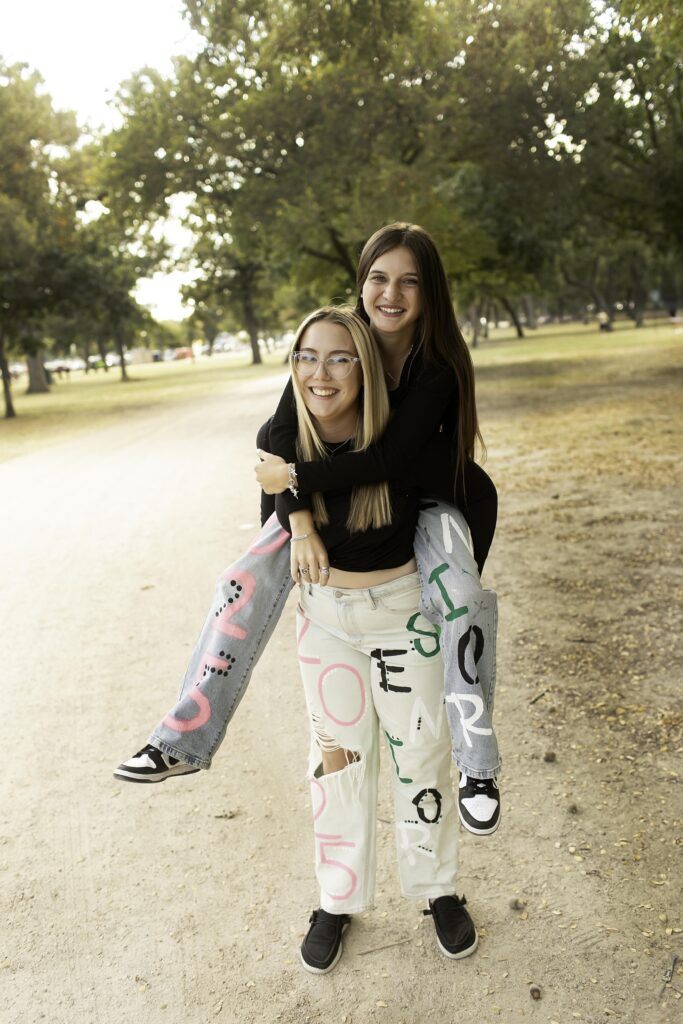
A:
(335, 367)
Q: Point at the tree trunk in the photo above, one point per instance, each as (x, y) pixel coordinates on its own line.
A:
(486, 313)
(513, 315)
(121, 349)
(529, 312)
(475, 313)
(638, 294)
(605, 307)
(609, 293)
(103, 353)
(251, 325)
(37, 380)
(590, 287)
(6, 382)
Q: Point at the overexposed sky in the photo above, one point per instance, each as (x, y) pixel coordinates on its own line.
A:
(83, 50)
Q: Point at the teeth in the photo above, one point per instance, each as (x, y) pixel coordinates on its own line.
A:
(323, 392)
(391, 309)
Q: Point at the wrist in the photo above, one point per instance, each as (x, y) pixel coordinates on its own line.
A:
(304, 536)
(292, 482)
(301, 521)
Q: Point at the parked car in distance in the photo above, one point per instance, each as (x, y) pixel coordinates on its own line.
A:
(225, 342)
(113, 358)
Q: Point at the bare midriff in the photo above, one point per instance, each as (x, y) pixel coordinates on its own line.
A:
(361, 580)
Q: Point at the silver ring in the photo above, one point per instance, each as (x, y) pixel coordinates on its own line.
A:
(304, 570)
(325, 570)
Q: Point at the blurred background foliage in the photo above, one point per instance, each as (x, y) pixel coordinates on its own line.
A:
(540, 142)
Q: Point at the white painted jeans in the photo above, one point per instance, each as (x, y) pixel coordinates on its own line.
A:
(364, 669)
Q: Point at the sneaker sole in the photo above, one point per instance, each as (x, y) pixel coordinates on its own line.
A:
(124, 777)
(479, 831)
(324, 970)
(463, 952)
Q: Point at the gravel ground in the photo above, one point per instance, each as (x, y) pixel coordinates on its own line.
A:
(189, 900)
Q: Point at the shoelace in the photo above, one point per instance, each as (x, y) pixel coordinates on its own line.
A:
(478, 785)
(145, 750)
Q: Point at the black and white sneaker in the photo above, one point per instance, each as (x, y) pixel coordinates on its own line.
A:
(322, 947)
(152, 765)
(479, 805)
(455, 932)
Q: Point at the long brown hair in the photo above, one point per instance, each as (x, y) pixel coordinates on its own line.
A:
(437, 331)
(370, 505)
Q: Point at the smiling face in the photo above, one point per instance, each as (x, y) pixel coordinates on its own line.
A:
(391, 293)
(333, 404)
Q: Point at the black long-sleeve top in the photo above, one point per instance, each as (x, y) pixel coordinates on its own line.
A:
(385, 547)
(416, 449)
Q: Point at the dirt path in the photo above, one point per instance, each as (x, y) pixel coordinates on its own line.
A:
(187, 901)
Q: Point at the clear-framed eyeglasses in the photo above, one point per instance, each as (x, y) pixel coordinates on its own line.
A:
(337, 367)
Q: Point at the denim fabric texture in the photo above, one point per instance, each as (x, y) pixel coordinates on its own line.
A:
(249, 600)
(250, 597)
(466, 616)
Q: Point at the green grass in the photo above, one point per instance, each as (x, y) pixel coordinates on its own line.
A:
(572, 342)
(86, 402)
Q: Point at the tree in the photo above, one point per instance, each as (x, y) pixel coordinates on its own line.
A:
(35, 210)
(662, 20)
(289, 139)
(99, 274)
(508, 130)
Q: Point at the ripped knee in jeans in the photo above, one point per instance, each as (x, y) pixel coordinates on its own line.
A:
(334, 757)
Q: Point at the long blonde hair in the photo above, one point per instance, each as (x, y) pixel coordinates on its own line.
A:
(370, 503)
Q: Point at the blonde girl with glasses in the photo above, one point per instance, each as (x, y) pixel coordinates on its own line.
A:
(364, 669)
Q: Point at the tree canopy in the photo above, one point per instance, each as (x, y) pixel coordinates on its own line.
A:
(520, 134)
(540, 144)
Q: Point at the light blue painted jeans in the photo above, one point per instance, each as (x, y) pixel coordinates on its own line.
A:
(251, 594)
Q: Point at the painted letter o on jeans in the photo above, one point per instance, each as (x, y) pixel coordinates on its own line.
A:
(321, 692)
